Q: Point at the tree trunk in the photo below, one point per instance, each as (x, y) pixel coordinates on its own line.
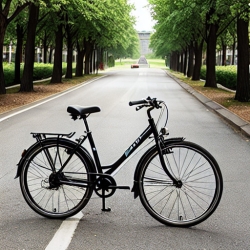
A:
(233, 55)
(88, 48)
(69, 50)
(211, 57)
(5, 19)
(18, 57)
(57, 69)
(3, 27)
(45, 47)
(185, 62)
(50, 54)
(69, 70)
(27, 79)
(91, 62)
(243, 86)
(87, 63)
(224, 54)
(182, 62)
(198, 60)
(174, 62)
(190, 60)
(79, 61)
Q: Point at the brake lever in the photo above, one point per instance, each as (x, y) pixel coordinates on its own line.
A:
(140, 107)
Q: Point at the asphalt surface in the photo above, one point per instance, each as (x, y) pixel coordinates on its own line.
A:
(128, 226)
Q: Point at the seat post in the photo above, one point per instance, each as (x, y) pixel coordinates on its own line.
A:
(85, 123)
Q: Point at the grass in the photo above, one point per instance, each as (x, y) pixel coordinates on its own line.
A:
(126, 63)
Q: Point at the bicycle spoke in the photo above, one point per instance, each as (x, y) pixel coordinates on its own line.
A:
(41, 185)
(193, 198)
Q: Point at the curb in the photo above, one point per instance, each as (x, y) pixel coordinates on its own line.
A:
(238, 123)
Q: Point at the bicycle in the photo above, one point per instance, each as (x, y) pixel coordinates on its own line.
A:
(179, 182)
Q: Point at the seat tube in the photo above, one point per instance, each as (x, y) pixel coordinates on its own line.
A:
(94, 151)
(92, 145)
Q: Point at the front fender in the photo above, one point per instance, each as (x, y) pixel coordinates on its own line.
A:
(141, 162)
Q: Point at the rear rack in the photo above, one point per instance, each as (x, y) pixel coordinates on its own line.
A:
(40, 136)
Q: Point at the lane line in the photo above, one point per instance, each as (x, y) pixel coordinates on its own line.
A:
(50, 99)
(64, 234)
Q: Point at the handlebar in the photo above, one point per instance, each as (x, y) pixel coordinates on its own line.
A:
(149, 102)
(132, 103)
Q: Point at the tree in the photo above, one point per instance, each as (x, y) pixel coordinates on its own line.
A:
(243, 85)
(27, 78)
(9, 10)
(179, 25)
(192, 22)
(57, 69)
(15, 34)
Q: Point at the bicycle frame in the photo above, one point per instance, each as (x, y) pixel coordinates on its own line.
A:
(151, 129)
(113, 167)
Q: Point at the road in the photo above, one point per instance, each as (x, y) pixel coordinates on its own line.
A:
(128, 225)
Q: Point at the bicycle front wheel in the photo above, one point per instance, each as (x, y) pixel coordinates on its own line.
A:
(39, 189)
(197, 195)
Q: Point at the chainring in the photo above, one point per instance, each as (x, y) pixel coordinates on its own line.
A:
(102, 186)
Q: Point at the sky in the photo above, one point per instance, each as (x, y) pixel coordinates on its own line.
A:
(143, 19)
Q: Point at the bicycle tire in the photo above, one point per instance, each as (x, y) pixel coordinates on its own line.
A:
(201, 189)
(62, 201)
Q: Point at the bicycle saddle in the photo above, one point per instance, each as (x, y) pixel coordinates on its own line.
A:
(80, 110)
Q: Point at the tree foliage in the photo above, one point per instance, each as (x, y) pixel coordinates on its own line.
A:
(186, 24)
(88, 26)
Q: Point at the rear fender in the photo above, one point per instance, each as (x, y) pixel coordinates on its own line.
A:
(141, 162)
(26, 153)
(24, 156)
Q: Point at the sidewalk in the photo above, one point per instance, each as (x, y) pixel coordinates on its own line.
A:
(239, 124)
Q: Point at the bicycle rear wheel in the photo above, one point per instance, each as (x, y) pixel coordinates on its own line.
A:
(198, 194)
(39, 189)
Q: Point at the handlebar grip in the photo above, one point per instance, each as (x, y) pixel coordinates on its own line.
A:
(137, 102)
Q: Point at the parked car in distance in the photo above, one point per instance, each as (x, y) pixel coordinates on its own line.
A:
(133, 66)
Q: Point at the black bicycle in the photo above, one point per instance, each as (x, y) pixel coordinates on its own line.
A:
(179, 183)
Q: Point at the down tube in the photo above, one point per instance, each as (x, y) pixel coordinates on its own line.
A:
(147, 132)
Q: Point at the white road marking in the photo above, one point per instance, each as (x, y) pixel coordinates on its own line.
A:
(52, 98)
(64, 234)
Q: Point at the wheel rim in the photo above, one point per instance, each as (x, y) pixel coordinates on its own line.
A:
(191, 200)
(42, 194)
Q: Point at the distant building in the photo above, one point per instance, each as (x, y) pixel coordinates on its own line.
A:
(144, 37)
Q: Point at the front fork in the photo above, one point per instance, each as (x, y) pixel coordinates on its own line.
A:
(160, 141)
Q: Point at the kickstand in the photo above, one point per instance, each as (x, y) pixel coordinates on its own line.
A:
(104, 209)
